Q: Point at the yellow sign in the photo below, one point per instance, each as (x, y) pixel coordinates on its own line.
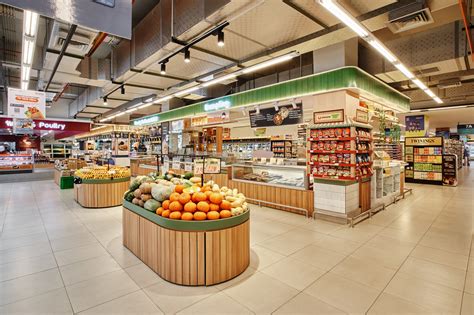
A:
(426, 142)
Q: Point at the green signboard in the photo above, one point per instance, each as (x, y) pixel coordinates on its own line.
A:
(342, 78)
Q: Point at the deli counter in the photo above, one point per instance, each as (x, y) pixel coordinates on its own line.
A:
(16, 163)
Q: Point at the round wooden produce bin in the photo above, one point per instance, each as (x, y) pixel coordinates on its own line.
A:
(190, 253)
(101, 193)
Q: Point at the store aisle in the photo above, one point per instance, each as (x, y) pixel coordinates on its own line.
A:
(415, 257)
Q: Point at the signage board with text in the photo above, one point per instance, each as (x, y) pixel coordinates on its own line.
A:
(26, 104)
(285, 115)
(424, 142)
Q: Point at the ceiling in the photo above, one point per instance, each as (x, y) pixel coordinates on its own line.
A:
(257, 30)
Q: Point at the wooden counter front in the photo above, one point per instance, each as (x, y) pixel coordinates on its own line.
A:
(101, 193)
(191, 258)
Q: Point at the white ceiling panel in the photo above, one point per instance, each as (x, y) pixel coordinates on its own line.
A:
(155, 81)
(273, 23)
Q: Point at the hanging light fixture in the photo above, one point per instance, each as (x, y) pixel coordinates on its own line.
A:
(122, 89)
(187, 56)
(220, 39)
(163, 68)
(275, 105)
(293, 104)
(257, 110)
(105, 100)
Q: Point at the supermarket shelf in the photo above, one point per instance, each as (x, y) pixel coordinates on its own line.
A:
(332, 164)
(332, 139)
(332, 152)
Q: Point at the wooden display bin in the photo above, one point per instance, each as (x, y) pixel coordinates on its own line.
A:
(192, 253)
(101, 193)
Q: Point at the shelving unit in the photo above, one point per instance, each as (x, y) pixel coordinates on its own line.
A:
(244, 148)
(57, 150)
(452, 146)
(424, 157)
(340, 152)
(284, 149)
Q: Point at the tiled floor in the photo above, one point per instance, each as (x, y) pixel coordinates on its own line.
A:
(415, 257)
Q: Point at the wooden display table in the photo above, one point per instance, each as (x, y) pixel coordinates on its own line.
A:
(101, 193)
(188, 252)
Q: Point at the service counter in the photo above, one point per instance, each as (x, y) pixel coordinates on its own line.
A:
(192, 253)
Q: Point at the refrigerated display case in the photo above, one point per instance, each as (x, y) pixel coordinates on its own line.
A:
(288, 176)
(16, 163)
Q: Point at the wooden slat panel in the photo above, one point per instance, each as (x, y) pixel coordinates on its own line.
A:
(201, 272)
(130, 235)
(193, 258)
(100, 195)
(179, 257)
(186, 258)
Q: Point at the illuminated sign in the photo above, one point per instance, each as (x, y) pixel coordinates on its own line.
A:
(208, 107)
(41, 125)
(146, 121)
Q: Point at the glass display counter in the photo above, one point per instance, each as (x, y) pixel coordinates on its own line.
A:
(286, 176)
(16, 163)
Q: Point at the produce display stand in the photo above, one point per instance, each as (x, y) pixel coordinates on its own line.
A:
(64, 182)
(101, 193)
(192, 253)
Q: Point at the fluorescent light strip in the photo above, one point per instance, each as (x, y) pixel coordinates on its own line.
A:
(131, 110)
(404, 70)
(270, 62)
(25, 73)
(163, 99)
(345, 17)
(382, 50)
(187, 91)
(220, 79)
(145, 105)
(429, 93)
(338, 11)
(30, 27)
(30, 23)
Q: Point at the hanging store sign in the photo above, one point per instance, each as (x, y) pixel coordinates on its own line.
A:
(416, 126)
(48, 125)
(328, 116)
(24, 126)
(219, 105)
(268, 117)
(425, 142)
(466, 129)
(26, 104)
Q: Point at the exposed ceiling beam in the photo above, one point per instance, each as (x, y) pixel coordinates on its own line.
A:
(166, 76)
(57, 52)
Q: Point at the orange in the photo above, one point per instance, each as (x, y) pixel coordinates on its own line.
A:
(175, 206)
(174, 197)
(208, 193)
(199, 196)
(184, 198)
(190, 207)
(179, 188)
(175, 215)
(216, 198)
(225, 205)
(205, 188)
(225, 214)
(165, 213)
(213, 215)
(187, 216)
(199, 216)
(165, 204)
(214, 207)
(203, 206)
(159, 211)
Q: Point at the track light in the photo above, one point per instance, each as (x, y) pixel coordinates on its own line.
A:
(293, 104)
(122, 89)
(220, 39)
(244, 112)
(163, 68)
(257, 110)
(105, 100)
(275, 105)
(187, 56)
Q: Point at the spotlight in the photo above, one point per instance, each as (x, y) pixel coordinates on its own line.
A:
(257, 110)
(105, 100)
(187, 56)
(275, 105)
(163, 68)
(122, 89)
(220, 39)
(293, 104)
(244, 112)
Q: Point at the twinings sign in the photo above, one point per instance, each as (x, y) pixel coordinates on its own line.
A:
(434, 141)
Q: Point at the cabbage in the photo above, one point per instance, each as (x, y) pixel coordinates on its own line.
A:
(152, 205)
(161, 192)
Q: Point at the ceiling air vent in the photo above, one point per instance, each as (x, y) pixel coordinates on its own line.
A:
(411, 16)
(80, 42)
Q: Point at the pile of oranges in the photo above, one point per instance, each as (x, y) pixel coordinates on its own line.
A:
(201, 205)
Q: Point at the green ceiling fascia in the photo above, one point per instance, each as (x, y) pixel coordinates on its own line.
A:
(338, 79)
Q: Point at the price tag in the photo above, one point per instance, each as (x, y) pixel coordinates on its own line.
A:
(176, 163)
(212, 166)
(188, 165)
(198, 166)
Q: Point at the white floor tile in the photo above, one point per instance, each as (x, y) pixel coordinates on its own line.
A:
(133, 303)
(52, 302)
